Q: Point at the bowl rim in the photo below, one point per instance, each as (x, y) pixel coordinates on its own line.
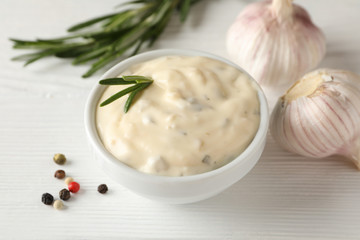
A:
(96, 143)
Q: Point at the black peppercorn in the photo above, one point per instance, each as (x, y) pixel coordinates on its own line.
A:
(59, 174)
(102, 188)
(64, 194)
(47, 198)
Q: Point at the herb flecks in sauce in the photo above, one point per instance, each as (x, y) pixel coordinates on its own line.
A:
(206, 159)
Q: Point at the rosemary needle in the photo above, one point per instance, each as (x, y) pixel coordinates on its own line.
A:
(103, 39)
(140, 83)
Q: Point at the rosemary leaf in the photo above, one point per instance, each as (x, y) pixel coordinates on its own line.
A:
(133, 94)
(184, 10)
(74, 51)
(132, 2)
(89, 22)
(137, 79)
(115, 81)
(34, 57)
(119, 95)
(24, 57)
(71, 53)
(90, 54)
(138, 46)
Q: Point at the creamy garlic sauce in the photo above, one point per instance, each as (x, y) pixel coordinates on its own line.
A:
(198, 115)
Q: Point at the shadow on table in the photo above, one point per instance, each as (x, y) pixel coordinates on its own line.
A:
(283, 187)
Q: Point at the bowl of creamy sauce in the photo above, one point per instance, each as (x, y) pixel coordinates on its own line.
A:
(197, 129)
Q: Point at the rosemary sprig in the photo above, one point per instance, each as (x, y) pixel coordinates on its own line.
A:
(140, 83)
(106, 38)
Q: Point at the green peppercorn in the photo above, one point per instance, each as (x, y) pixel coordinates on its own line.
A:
(102, 188)
(47, 198)
(59, 158)
(64, 194)
(59, 174)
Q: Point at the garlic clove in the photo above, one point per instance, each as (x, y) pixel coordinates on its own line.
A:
(354, 153)
(276, 42)
(319, 116)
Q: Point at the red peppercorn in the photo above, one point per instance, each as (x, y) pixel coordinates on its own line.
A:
(74, 187)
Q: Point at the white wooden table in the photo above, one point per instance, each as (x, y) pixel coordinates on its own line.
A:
(41, 113)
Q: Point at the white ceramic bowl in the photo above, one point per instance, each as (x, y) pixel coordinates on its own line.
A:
(177, 190)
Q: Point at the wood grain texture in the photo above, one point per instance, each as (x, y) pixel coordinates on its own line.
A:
(41, 113)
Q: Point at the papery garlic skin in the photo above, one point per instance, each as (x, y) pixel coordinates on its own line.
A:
(276, 42)
(319, 116)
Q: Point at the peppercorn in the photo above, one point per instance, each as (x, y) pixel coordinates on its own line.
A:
(64, 194)
(59, 174)
(47, 198)
(68, 180)
(59, 159)
(74, 187)
(58, 204)
(102, 188)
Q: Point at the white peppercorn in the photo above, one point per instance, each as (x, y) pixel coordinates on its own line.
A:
(58, 204)
(68, 180)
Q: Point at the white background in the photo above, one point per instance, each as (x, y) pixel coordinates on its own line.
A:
(41, 113)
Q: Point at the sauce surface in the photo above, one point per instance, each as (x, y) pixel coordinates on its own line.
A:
(198, 115)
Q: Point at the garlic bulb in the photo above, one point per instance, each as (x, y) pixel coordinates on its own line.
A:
(276, 42)
(319, 115)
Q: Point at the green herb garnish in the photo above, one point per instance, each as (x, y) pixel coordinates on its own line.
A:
(104, 39)
(140, 83)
